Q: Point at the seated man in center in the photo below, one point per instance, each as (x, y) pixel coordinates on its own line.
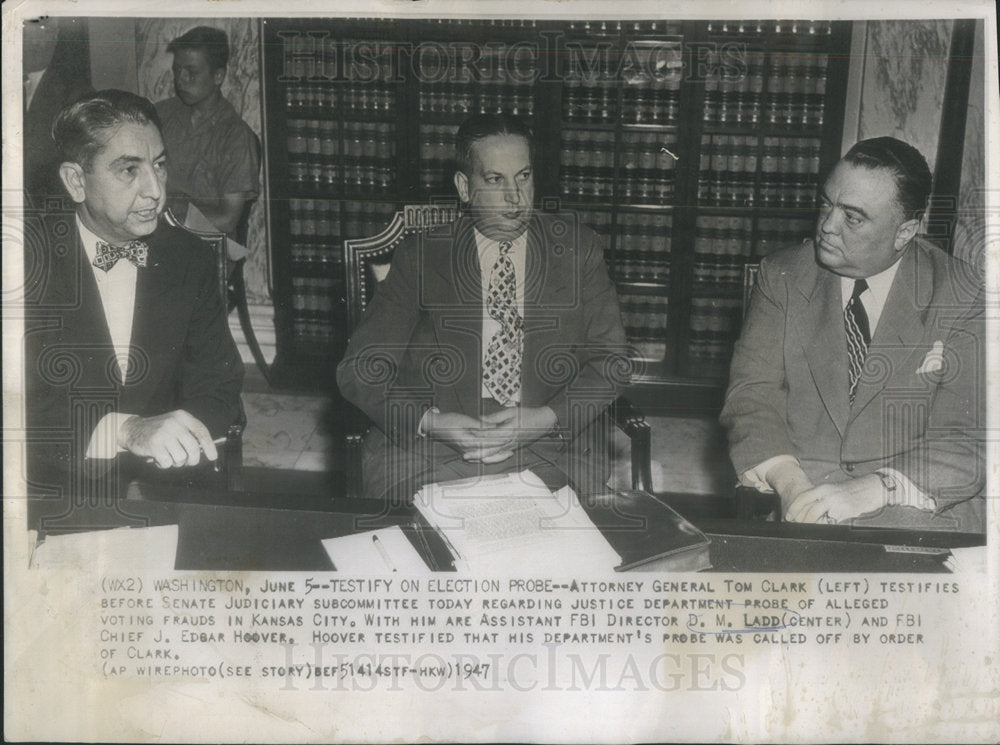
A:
(494, 344)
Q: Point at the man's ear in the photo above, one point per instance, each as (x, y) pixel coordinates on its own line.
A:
(74, 180)
(905, 233)
(462, 186)
(219, 76)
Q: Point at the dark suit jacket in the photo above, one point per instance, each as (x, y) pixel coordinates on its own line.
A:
(182, 354)
(56, 89)
(419, 343)
(788, 390)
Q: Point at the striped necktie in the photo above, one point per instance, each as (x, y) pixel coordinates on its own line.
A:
(858, 335)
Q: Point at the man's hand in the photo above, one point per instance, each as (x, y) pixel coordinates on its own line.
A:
(833, 503)
(170, 440)
(517, 426)
(471, 437)
(495, 437)
(789, 480)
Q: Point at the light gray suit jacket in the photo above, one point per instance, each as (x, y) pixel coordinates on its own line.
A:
(788, 390)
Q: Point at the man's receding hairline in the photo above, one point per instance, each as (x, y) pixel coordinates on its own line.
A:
(103, 139)
(867, 165)
(473, 144)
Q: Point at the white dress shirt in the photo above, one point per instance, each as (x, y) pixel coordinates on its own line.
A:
(116, 288)
(874, 297)
(489, 252)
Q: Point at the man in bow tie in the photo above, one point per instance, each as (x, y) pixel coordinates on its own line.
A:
(501, 335)
(857, 388)
(127, 347)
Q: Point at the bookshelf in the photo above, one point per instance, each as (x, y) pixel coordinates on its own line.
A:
(691, 147)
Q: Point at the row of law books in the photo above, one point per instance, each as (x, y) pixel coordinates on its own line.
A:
(644, 317)
(651, 27)
(729, 164)
(712, 329)
(795, 93)
(483, 98)
(360, 154)
(791, 27)
(721, 246)
(312, 333)
(316, 226)
(314, 296)
(333, 99)
(642, 247)
(640, 267)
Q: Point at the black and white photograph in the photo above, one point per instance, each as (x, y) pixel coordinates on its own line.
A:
(558, 372)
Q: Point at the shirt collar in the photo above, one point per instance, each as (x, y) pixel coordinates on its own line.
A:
(486, 246)
(879, 285)
(89, 241)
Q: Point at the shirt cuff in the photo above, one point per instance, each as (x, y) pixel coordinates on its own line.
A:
(421, 430)
(906, 493)
(104, 439)
(756, 477)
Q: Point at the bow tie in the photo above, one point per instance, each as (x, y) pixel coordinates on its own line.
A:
(108, 255)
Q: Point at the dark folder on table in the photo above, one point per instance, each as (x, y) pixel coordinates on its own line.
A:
(649, 535)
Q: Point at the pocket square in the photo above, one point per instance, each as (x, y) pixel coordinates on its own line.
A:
(933, 360)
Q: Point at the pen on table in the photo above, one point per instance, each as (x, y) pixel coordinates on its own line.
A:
(382, 552)
(428, 553)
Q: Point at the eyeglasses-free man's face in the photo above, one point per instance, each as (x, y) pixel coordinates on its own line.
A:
(121, 195)
(500, 189)
(194, 79)
(861, 230)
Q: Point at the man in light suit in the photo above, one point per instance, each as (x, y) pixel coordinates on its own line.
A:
(494, 344)
(857, 388)
(127, 349)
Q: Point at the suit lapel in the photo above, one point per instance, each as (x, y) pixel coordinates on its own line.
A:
(71, 304)
(452, 289)
(899, 332)
(824, 342)
(544, 294)
(153, 307)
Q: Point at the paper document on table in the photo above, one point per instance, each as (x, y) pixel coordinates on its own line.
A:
(148, 550)
(375, 552)
(513, 523)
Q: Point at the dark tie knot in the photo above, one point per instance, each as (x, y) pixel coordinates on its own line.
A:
(107, 255)
(505, 247)
(860, 285)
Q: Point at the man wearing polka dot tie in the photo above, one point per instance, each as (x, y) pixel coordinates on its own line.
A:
(127, 348)
(857, 389)
(501, 336)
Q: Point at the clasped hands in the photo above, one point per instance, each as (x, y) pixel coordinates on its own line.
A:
(169, 440)
(827, 503)
(492, 438)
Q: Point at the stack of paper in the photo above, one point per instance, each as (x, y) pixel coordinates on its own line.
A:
(512, 524)
(139, 550)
